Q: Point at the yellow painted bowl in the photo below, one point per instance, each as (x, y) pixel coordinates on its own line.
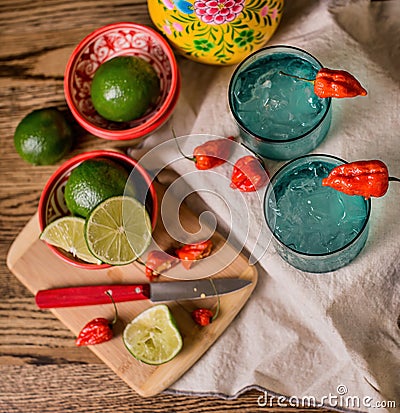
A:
(219, 32)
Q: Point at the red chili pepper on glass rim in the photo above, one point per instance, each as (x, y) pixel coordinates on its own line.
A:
(211, 153)
(97, 330)
(248, 174)
(364, 178)
(330, 83)
(194, 252)
(158, 261)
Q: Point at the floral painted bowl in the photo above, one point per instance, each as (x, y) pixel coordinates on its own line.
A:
(105, 43)
(216, 31)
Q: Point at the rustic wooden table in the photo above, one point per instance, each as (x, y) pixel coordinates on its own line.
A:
(41, 370)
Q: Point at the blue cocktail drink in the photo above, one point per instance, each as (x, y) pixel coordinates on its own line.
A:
(279, 116)
(315, 228)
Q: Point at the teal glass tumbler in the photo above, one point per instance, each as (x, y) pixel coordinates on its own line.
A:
(315, 228)
(271, 97)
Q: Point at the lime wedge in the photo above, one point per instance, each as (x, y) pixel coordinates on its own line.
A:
(153, 337)
(67, 233)
(118, 230)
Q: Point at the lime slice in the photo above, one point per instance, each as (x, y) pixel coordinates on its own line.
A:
(67, 233)
(153, 337)
(118, 230)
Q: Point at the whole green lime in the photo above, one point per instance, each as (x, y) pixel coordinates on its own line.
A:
(124, 88)
(92, 182)
(43, 137)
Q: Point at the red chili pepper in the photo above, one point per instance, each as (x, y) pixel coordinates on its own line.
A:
(330, 83)
(95, 332)
(248, 174)
(202, 316)
(193, 252)
(98, 330)
(365, 178)
(157, 262)
(210, 154)
(337, 84)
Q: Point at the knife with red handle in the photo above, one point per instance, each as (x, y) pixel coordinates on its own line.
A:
(90, 295)
(161, 291)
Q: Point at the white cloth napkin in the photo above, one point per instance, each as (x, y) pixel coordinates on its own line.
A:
(304, 335)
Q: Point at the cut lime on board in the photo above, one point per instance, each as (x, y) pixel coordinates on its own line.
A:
(118, 230)
(67, 233)
(153, 337)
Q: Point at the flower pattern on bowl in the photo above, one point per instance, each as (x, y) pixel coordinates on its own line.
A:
(216, 31)
(218, 11)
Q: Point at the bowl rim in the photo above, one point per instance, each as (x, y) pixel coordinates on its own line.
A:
(270, 188)
(75, 161)
(152, 123)
(239, 121)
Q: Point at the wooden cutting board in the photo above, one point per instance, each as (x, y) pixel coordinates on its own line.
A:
(34, 264)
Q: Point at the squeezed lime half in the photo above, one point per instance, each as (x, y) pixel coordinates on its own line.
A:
(153, 337)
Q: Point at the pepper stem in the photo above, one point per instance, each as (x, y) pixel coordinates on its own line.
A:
(139, 261)
(392, 178)
(180, 150)
(297, 77)
(109, 293)
(218, 301)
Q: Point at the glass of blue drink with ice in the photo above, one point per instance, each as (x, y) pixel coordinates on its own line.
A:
(279, 116)
(315, 228)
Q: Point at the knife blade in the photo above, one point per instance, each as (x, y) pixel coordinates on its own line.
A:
(156, 292)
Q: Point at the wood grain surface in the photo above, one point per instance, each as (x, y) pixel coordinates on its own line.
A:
(41, 370)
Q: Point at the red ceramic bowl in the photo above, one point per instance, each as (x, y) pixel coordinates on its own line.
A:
(120, 39)
(52, 204)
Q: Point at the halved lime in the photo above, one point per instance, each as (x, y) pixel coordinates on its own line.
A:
(67, 233)
(153, 337)
(118, 230)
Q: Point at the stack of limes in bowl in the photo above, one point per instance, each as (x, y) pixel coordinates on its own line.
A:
(108, 225)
